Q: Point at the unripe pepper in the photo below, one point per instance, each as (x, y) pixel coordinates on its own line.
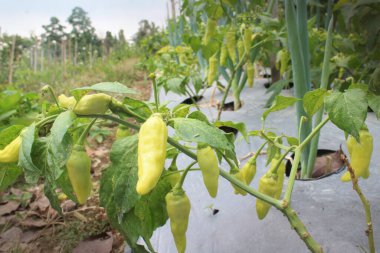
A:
(151, 155)
(284, 59)
(210, 30)
(238, 174)
(66, 102)
(93, 104)
(79, 169)
(247, 39)
(249, 170)
(231, 44)
(240, 46)
(268, 185)
(250, 73)
(223, 55)
(360, 155)
(174, 177)
(212, 69)
(9, 154)
(208, 163)
(178, 208)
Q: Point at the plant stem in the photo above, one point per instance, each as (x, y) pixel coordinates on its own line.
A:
(149, 245)
(155, 90)
(292, 176)
(178, 171)
(229, 85)
(297, 158)
(258, 151)
(280, 160)
(183, 176)
(279, 145)
(52, 93)
(313, 133)
(283, 205)
(46, 120)
(83, 136)
(226, 94)
(301, 230)
(272, 201)
(324, 85)
(192, 99)
(366, 205)
(117, 106)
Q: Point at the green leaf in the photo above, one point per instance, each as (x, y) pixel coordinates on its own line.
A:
(240, 126)
(313, 101)
(280, 103)
(176, 85)
(57, 151)
(9, 134)
(181, 110)
(347, 110)
(52, 196)
(9, 174)
(210, 49)
(131, 214)
(139, 107)
(198, 115)
(64, 183)
(193, 130)
(151, 209)
(293, 141)
(374, 103)
(114, 87)
(9, 100)
(271, 153)
(254, 133)
(123, 173)
(32, 172)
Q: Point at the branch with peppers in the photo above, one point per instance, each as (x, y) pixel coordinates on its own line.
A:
(151, 153)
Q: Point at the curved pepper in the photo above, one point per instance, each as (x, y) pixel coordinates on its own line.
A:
(223, 55)
(178, 207)
(231, 44)
(240, 46)
(247, 39)
(153, 136)
(79, 169)
(210, 30)
(249, 171)
(250, 73)
(208, 163)
(9, 154)
(240, 176)
(270, 184)
(212, 69)
(360, 154)
(93, 104)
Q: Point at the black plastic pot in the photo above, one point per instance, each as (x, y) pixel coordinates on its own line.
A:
(319, 173)
(191, 100)
(230, 106)
(227, 129)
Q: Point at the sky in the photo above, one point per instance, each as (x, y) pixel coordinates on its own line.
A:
(26, 17)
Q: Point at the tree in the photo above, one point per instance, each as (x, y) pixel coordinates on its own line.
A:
(82, 34)
(145, 29)
(54, 31)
